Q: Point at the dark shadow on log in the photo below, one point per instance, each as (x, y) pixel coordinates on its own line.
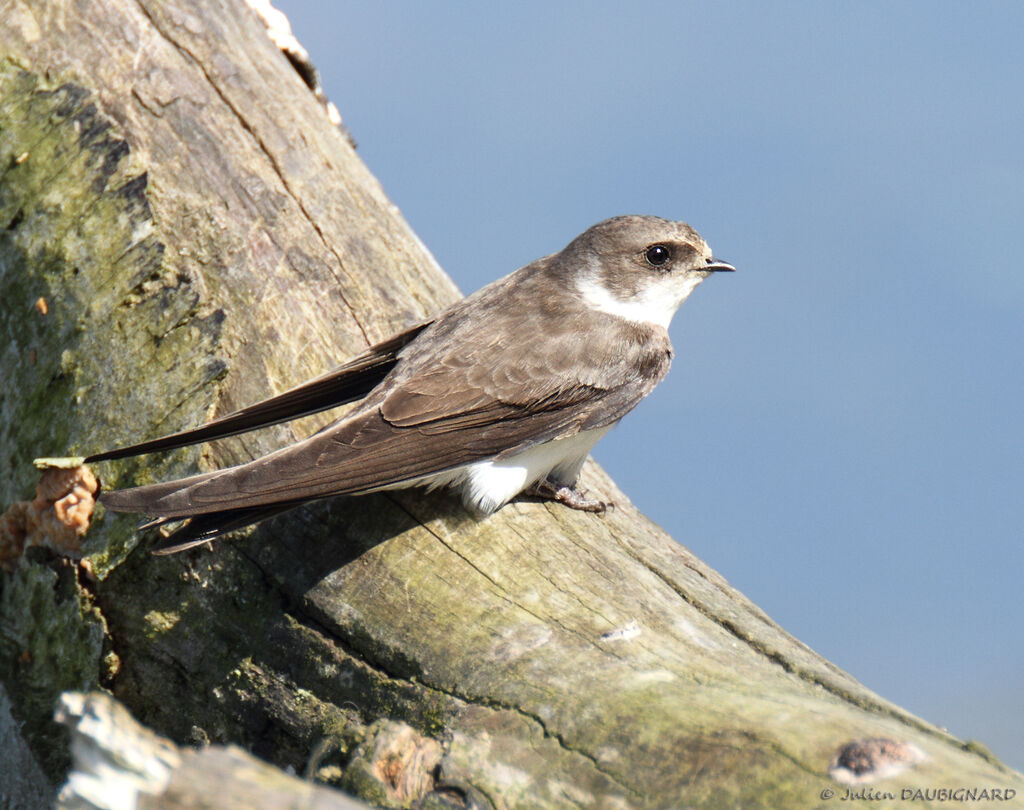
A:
(205, 238)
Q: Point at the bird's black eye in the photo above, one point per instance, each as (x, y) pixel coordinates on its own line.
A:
(657, 255)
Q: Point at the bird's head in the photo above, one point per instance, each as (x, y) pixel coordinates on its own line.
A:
(639, 267)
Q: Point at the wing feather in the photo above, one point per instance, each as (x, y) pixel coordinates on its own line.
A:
(366, 452)
(497, 373)
(346, 383)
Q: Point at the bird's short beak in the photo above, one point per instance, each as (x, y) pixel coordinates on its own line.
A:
(718, 266)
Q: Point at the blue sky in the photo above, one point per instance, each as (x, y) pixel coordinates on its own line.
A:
(841, 434)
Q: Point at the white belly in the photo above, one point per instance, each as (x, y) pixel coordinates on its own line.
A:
(486, 486)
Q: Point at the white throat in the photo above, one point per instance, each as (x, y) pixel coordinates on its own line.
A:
(653, 305)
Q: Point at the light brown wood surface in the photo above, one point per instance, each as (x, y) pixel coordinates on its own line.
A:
(205, 237)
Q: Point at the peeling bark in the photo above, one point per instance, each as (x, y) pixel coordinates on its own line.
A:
(205, 237)
(120, 764)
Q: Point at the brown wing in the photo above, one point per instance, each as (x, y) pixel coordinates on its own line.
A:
(367, 452)
(346, 383)
(499, 372)
(527, 344)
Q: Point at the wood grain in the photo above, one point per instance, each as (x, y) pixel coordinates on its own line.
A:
(204, 238)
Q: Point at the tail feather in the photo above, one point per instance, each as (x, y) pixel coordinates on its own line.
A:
(346, 383)
(203, 528)
(165, 500)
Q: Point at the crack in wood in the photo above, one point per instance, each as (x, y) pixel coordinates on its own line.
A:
(271, 159)
(779, 658)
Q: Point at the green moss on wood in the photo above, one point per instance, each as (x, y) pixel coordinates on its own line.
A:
(77, 232)
(51, 641)
(489, 636)
(79, 263)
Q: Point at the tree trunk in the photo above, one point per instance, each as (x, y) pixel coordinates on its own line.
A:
(116, 757)
(204, 237)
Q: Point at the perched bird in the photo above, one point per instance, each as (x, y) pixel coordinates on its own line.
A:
(504, 392)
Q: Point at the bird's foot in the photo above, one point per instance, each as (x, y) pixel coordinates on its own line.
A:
(567, 495)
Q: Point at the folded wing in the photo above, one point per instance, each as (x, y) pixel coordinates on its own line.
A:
(346, 383)
(456, 395)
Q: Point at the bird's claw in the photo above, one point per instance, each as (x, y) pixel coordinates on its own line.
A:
(568, 496)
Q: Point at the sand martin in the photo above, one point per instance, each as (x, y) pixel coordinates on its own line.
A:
(504, 392)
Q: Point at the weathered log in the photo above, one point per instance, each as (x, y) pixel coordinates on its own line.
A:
(22, 782)
(119, 765)
(203, 237)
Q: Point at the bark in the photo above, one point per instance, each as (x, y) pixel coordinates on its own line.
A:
(22, 781)
(203, 237)
(118, 763)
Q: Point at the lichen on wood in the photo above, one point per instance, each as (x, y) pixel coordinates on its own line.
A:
(204, 237)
